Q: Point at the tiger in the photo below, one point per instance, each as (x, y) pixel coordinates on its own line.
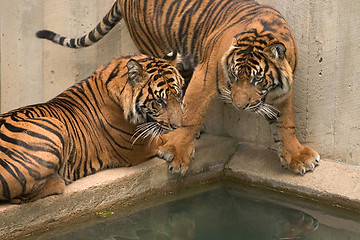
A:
(111, 119)
(239, 50)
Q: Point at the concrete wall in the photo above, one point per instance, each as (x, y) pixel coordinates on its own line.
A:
(327, 102)
(34, 70)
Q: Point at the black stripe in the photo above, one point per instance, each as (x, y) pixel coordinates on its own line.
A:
(19, 177)
(278, 72)
(266, 69)
(42, 162)
(217, 78)
(92, 36)
(61, 40)
(23, 160)
(81, 41)
(5, 190)
(253, 61)
(107, 22)
(113, 74)
(99, 30)
(72, 43)
(16, 129)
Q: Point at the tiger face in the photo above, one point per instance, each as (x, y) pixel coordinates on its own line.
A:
(157, 96)
(257, 73)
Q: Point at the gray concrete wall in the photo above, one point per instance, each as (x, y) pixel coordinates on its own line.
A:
(326, 87)
(33, 70)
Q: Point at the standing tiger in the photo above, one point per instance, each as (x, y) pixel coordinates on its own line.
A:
(239, 49)
(107, 120)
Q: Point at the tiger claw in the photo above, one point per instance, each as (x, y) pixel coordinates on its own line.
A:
(173, 170)
(312, 167)
(166, 155)
(317, 160)
(182, 169)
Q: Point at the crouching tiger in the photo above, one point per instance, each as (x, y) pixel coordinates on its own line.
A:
(108, 120)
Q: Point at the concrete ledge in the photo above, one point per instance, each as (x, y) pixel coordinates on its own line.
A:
(216, 158)
(335, 183)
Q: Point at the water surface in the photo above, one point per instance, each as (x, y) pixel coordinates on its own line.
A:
(221, 213)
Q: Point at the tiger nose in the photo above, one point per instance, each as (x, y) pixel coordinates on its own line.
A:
(241, 102)
(244, 100)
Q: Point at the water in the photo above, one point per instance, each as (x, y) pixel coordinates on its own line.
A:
(221, 213)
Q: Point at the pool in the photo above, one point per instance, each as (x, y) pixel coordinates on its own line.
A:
(226, 211)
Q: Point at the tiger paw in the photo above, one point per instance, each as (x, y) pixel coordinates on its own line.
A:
(178, 158)
(305, 160)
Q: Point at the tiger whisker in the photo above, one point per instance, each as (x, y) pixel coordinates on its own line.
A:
(226, 96)
(260, 112)
(237, 108)
(143, 127)
(139, 136)
(152, 137)
(158, 131)
(272, 110)
(267, 110)
(150, 132)
(143, 130)
(140, 128)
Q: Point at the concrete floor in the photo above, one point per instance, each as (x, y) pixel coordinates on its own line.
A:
(216, 158)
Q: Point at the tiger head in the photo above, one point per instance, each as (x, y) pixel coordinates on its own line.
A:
(157, 98)
(257, 73)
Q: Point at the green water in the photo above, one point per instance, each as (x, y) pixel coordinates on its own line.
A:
(222, 213)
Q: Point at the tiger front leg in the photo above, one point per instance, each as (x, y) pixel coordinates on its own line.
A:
(178, 145)
(292, 154)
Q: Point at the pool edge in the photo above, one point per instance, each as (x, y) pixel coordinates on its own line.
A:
(331, 183)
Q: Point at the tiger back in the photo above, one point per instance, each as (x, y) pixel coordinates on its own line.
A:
(111, 119)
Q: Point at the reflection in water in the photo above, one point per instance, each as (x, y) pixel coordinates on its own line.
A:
(217, 214)
(294, 223)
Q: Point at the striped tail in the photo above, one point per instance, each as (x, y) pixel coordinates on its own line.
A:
(103, 27)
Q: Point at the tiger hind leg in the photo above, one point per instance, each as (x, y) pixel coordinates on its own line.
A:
(53, 186)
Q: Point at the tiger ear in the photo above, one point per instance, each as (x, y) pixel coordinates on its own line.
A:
(135, 72)
(276, 50)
